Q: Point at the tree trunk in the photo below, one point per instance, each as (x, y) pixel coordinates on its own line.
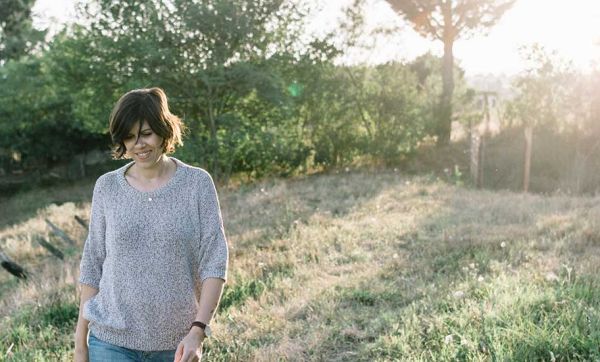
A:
(445, 111)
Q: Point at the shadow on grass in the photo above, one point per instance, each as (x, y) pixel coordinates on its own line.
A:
(412, 308)
(296, 203)
(24, 205)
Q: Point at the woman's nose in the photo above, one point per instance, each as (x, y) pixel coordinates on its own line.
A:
(139, 141)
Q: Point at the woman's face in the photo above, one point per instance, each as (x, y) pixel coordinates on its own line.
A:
(144, 148)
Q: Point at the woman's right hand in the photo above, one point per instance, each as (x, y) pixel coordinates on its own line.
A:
(81, 354)
(82, 328)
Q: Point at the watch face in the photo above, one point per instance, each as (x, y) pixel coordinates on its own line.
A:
(207, 331)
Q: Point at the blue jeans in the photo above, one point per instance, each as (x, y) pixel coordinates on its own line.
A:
(100, 351)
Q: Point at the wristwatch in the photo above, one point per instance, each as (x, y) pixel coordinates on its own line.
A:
(205, 327)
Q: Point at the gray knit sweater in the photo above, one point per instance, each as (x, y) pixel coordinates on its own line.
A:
(147, 253)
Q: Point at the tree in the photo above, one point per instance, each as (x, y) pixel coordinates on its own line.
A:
(17, 35)
(36, 115)
(215, 59)
(447, 21)
(542, 100)
(396, 110)
(428, 71)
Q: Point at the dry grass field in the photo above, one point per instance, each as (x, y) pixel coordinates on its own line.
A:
(351, 266)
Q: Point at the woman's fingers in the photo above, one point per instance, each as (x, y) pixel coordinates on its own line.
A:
(178, 353)
(190, 356)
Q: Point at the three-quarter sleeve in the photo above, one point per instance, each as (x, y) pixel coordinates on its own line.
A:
(94, 252)
(213, 244)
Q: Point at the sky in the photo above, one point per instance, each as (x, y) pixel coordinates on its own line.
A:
(569, 27)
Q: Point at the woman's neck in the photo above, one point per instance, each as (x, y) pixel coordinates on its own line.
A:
(154, 172)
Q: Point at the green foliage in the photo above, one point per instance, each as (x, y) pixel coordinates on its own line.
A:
(225, 83)
(543, 90)
(17, 35)
(375, 111)
(255, 98)
(36, 116)
(332, 126)
(394, 111)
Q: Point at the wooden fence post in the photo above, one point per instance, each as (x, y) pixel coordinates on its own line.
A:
(527, 156)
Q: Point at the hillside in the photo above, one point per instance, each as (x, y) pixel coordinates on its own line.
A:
(353, 266)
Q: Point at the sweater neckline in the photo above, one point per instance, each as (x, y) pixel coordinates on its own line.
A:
(164, 188)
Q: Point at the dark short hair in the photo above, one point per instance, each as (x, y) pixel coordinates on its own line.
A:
(139, 105)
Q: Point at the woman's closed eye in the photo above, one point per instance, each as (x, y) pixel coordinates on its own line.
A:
(143, 134)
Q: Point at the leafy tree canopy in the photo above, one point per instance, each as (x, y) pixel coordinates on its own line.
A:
(17, 35)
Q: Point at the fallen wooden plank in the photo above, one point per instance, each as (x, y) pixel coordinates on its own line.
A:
(12, 267)
(81, 222)
(51, 248)
(57, 231)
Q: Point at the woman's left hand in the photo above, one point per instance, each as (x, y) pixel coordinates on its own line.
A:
(190, 348)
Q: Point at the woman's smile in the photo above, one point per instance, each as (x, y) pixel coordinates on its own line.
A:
(143, 155)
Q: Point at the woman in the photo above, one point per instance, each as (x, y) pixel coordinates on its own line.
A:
(155, 259)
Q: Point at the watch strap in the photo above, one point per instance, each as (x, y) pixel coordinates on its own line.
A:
(198, 324)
